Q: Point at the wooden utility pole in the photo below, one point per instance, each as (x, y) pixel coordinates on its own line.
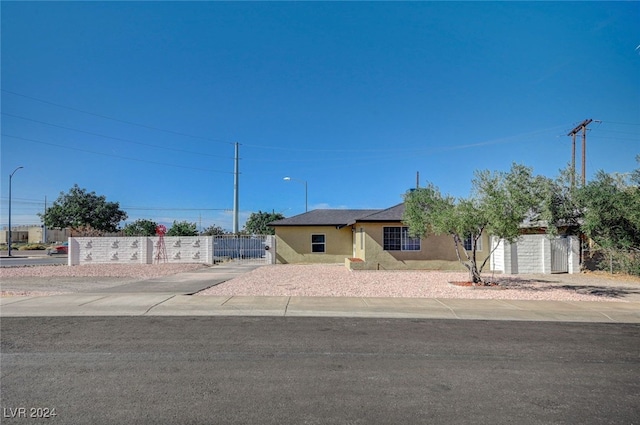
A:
(580, 127)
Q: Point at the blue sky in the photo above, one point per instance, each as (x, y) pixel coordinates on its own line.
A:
(143, 101)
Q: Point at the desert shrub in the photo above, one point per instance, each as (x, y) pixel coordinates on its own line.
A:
(32, 247)
(618, 261)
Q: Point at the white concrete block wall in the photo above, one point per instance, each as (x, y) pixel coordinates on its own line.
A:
(270, 244)
(530, 254)
(545, 253)
(109, 250)
(497, 255)
(73, 258)
(574, 254)
(185, 249)
(139, 250)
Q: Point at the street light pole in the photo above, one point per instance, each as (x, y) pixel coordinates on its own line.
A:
(9, 235)
(306, 192)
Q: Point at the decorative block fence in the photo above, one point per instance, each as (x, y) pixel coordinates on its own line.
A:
(537, 254)
(179, 249)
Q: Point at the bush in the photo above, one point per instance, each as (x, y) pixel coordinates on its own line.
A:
(32, 247)
(619, 262)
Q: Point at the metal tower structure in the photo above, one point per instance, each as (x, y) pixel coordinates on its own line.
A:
(161, 249)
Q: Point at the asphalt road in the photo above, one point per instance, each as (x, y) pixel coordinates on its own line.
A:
(41, 260)
(239, 370)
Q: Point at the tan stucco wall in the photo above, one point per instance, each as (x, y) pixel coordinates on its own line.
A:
(436, 251)
(294, 244)
(365, 240)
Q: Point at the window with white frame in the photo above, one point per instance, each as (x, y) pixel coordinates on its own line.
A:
(398, 239)
(318, 243)
(468, 244)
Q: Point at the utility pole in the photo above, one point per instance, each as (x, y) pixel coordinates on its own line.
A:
(44, 226)
(580, 127)
(235, 191)
(9, 234)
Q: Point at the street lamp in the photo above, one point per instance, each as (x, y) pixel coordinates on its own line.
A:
(306, 193)
(9, 236)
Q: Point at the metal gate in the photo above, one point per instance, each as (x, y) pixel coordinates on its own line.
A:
(255, 249)
(560, 255)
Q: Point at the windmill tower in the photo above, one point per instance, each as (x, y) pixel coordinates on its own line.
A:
(161, 249)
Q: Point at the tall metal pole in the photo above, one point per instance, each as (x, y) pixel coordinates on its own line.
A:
(306, 192)
(9, 234)
(306, 197)
(235, 192)
(44, 226)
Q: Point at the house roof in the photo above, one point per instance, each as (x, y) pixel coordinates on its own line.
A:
(394, 213)
(328, 217)
(324, 217)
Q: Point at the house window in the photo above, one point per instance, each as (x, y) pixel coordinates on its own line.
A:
(398, 239)
(468, 244)
(318, 243)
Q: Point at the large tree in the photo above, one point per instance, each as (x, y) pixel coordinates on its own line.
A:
(559, 205)
(257, 223)
(84, 213)
(498, 205)
(611, 212)
(183, 228)
(141, 227)
(213, 230)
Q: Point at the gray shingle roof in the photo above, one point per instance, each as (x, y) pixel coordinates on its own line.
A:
(341, 217)
(324, 217)
(390, 214)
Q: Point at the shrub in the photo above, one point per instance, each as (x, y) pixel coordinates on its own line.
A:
(617, 261)
(32, 247)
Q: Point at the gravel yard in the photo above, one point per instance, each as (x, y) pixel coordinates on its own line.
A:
(52, 280)
(327, 281)
(337, 281)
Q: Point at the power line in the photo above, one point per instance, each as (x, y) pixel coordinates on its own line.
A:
(29, 201)
(114, 138)
(115, 156)
(173, 209)
(115, 119)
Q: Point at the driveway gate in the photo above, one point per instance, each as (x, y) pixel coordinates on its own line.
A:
(560, 255)
(255, 249)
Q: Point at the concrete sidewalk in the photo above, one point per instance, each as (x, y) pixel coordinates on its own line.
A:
(170, 304)
(171, 296)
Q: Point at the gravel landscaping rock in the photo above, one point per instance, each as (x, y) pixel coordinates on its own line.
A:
(328, 281)
(52, 280)
(337, 281)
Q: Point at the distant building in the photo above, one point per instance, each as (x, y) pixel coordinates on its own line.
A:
(33, 234)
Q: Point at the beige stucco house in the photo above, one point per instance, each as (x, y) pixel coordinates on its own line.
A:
(363, 239)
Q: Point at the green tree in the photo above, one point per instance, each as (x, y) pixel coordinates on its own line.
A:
(182, 228)
(141, 227)
(559, 204)
(610, 212)
(610, 206)
(498, 205)
(213, 230)
(83, 213)
(257, 223)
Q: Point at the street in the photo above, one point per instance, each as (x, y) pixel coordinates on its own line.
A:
(31, 258)
(241, 370)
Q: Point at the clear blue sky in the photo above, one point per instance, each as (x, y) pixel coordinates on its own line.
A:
(143, 101)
